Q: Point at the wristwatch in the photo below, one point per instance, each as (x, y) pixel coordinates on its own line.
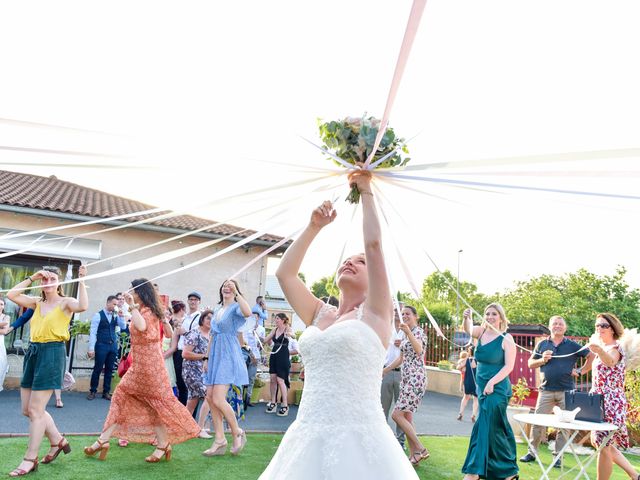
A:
(205, 358)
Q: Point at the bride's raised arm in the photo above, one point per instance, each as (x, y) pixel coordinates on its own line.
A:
(298, 295)
(378, 302)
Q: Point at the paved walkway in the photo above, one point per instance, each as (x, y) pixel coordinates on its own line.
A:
(437, 416)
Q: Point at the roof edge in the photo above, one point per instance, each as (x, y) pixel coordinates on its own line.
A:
(146, 227)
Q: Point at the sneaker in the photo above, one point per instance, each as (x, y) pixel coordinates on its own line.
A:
(271, 407)
(283, 411)
(527, 458)
(106, 396)
(558, 464)
(91, 396)
(122, 442)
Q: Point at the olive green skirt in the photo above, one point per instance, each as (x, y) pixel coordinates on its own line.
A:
(44, 365)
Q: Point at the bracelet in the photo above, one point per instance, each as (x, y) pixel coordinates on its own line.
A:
(28, 278)
(366, 192)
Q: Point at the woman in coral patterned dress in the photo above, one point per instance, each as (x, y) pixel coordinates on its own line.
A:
(413, 381)
(143, 407)
(608, 380)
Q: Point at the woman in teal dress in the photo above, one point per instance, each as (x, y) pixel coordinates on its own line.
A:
(492, 446)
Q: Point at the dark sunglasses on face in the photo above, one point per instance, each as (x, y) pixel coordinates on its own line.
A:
(606, 326)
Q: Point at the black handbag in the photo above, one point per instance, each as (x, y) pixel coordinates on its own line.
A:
(591, 405)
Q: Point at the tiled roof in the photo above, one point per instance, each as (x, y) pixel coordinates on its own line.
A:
(50, 193)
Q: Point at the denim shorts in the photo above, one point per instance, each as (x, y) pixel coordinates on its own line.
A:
(44, 366)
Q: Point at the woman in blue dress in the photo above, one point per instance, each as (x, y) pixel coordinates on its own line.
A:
(225, 366)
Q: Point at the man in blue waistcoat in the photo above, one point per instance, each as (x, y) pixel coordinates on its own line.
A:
(103, 345)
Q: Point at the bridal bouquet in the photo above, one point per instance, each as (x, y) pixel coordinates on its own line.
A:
(352, 140)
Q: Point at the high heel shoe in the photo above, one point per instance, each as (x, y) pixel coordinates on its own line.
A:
(243, 442)
(103, 448)
(473, 419)
(167, 454)
(62, 446)
(220, 449)
(459, 418)
(424, 454)
(19, 472)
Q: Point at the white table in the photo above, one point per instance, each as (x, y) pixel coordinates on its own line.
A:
(571, 429)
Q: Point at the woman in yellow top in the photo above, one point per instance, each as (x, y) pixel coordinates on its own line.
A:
(44, 362)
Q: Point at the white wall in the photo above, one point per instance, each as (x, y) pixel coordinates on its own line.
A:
(206, 278)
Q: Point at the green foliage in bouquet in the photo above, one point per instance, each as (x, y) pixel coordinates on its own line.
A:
(352, 140)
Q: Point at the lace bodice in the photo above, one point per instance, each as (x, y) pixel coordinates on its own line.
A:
(343, 373)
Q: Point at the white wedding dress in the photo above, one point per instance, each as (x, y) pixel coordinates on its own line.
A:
(340, 431)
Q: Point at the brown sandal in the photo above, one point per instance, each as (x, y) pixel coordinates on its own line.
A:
(62, 446)
(103, 448)
(167, 454)
(19, 472)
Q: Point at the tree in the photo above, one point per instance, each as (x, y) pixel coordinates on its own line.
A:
(325, 287)
(437, 293)
(302, 277)
(578, 297)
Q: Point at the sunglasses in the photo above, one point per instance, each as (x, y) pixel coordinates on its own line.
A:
(606, 326)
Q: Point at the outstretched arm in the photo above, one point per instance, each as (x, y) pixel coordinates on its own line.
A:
(301, 299)
(378, 302)
(467, 324)
(16, 294)
(80, 304)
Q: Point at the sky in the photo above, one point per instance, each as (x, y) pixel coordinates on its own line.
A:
(192, 102)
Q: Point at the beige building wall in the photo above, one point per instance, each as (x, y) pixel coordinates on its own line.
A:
(206, 278)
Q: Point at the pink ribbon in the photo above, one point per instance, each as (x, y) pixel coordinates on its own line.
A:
(409, 36)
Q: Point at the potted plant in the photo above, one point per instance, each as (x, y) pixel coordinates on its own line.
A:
(520, 392)
(296, 365)
(445, 365)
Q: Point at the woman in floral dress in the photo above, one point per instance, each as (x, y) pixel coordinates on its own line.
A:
(413, 381)
(143, 407)
(608, 380)
(196, 346)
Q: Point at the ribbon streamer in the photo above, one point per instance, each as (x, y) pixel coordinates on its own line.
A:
(511, 187)
(346, 165)
(409, 36)
(432, 320)
(526, 159)
(217, 201)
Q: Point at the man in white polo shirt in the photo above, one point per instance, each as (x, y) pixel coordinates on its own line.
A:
(391, 381)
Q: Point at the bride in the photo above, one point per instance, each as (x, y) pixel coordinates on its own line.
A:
(340, 431)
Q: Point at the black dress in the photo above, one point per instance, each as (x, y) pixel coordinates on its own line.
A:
(470, 379)
(279, 362)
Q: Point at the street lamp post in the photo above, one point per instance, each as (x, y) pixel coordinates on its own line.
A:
(458, 288)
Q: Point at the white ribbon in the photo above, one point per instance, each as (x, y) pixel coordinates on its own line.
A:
(432, 320)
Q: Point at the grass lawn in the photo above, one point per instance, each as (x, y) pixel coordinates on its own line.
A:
(447, 456)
